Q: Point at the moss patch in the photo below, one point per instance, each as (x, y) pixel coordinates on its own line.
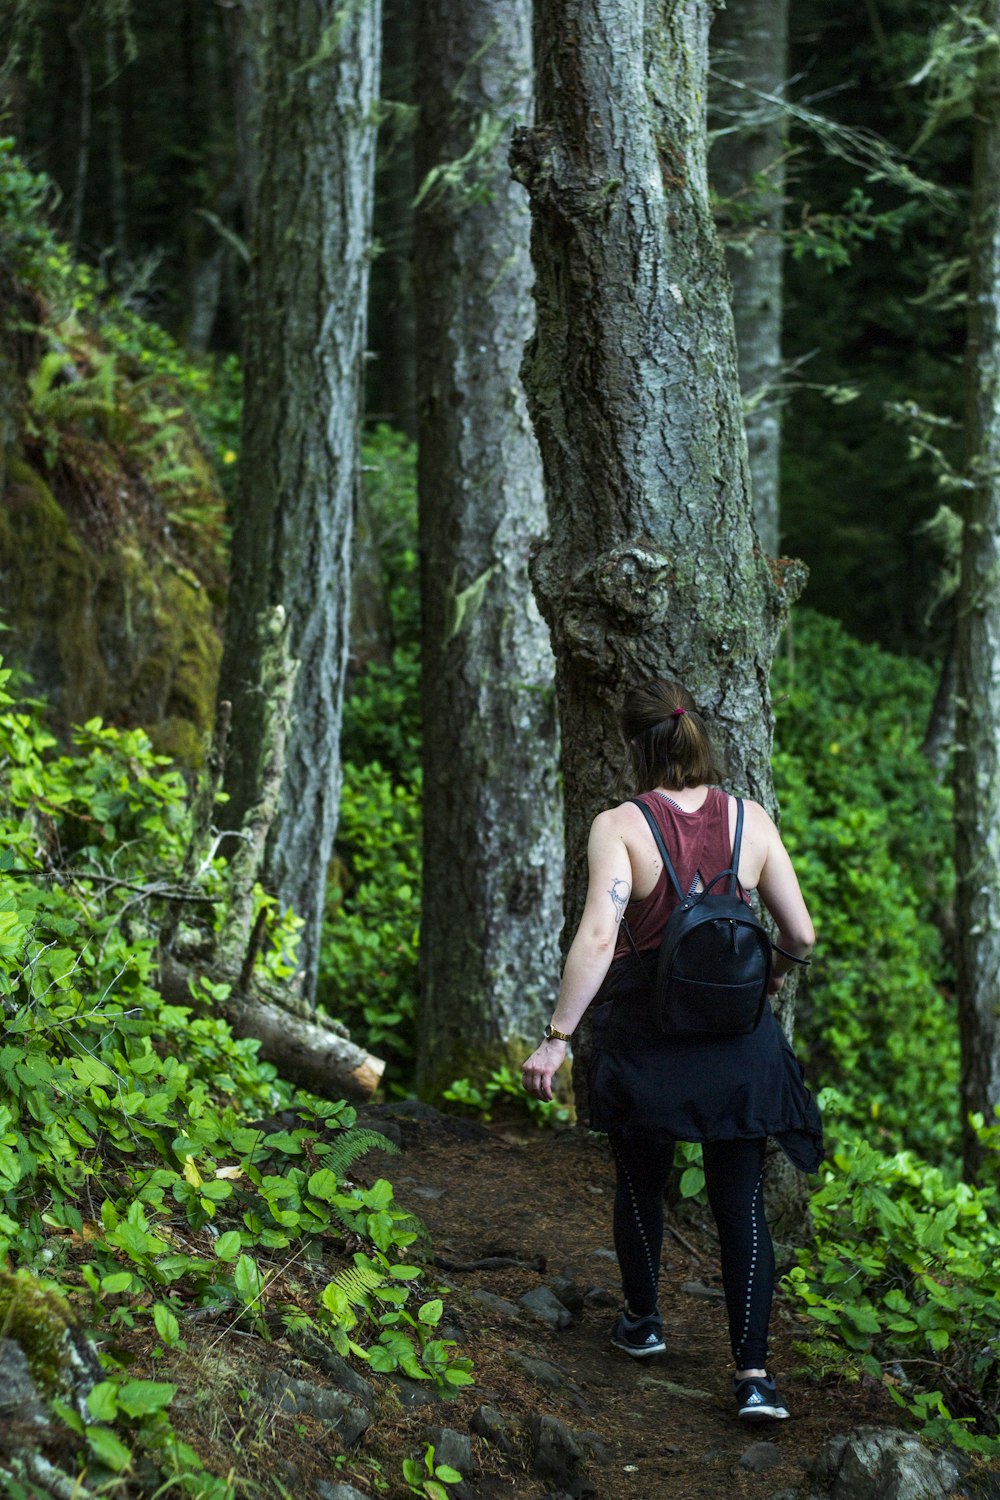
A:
(40, 1321)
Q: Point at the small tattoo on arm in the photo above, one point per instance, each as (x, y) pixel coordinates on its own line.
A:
(619, 893)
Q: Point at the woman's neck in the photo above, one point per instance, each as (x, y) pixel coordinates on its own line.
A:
(688, 798)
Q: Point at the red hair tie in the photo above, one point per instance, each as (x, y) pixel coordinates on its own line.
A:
(677, 713)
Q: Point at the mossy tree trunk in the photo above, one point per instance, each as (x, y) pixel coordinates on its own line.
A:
(747, 168)
(651, 564)
(492, 816)
(977, 762)
(311, 243)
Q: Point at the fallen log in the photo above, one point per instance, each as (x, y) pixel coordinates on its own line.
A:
(315, 1057)
(305, 1053)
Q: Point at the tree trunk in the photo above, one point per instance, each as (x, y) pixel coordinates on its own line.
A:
(392, 374)
(78, 38)
(492, 815)
(304, 348)
(750, 50)
(116, 155)
(651, 564)
(977, 763)
(243, 23)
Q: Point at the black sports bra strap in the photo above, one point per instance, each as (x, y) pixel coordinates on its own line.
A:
(657, 835)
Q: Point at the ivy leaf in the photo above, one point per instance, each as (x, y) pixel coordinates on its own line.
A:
(324, 1185)
(140, 1398)
(108, 1449)
(116, 1281)
(166, 1324)
(102, 1402)
(228, 1245)
(247, 1280)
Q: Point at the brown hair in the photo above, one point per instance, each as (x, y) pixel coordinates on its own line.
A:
(668, 743)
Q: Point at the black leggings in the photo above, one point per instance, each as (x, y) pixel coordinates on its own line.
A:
(734, 1178)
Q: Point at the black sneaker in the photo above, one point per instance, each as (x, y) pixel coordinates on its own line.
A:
(639, 1336)
(758, 1400)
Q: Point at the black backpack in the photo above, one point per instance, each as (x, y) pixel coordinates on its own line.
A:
(714, 961)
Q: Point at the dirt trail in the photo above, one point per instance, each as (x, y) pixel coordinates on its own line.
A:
(550, 1196)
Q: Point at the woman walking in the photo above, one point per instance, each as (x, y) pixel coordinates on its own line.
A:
(649, 1090)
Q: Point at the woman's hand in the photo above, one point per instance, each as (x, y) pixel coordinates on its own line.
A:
(541, 1067)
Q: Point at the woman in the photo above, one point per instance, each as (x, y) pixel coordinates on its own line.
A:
(648, 1091)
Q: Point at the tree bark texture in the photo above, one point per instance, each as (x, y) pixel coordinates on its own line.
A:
(977, 764)
(651, 566)
(747, 167)
(299, 460)
(492, 813)
(392, 374)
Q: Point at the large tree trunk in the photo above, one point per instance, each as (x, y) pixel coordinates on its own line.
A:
(492, 816)
(392, 374)
(304, 348)
(750, 50)
(651, 565)
(977, 764)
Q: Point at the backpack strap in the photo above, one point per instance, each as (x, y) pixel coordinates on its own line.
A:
(734, 884)
(657, 835)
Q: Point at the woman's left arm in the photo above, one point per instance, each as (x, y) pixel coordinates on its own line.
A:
(589, 958)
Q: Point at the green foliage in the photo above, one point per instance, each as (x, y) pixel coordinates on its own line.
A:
(132, 381)
(427, 1478)
(370, 946)
(869, 828)
(505, 1086)
(368, 969)
(903, 1281)
(141, 1164)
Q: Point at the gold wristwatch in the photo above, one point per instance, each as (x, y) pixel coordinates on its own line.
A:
(550, 1034)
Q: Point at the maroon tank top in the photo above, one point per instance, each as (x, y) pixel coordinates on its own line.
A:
(699, 845)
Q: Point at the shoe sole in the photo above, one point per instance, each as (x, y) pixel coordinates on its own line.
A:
(639, 1353)
(763, 1414)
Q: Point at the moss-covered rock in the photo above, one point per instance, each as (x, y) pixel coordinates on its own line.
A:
(61, 1360)
(108, 622)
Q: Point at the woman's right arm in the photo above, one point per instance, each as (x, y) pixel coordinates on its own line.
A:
(779, 890)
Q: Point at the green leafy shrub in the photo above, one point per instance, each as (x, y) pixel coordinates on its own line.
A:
(142, 1164)
(505, 1087)
(368, 969)
(132, 373)
(869, 828)
(903, 1281)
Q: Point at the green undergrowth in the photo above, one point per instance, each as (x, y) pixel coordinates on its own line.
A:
(111, 393)
(868, 824)
(902, 1283)
(370, 950)
(151, 1165)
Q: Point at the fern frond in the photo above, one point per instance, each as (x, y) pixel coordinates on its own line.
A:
(352, 1144)
(359, 1282)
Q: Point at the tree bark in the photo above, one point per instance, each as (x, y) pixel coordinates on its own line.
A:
(299, 461)
(651, 565)
(392, 374)
(750, 51)
(977, 762)
(492, 814)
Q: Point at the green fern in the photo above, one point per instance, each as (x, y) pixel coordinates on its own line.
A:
(359, 1282)
(353, 1144)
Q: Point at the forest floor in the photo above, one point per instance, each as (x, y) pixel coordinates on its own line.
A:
(544, 1198)
(538, 1204)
